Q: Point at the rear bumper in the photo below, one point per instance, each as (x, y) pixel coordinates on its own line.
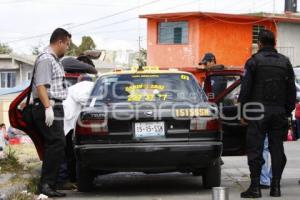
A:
(149, 157)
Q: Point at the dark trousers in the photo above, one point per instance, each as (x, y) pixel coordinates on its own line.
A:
(274, 124)
(67, 170)
(54, 141)
(70, 157)
(298, 128)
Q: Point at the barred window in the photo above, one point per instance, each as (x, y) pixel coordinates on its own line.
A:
(173, 32)
(255, 31)
(8, 79)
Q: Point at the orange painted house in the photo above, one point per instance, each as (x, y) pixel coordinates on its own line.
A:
(181, 39)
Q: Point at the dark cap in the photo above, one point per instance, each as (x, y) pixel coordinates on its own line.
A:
(208, 57)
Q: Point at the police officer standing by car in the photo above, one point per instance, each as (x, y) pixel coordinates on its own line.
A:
(49, 90)
(268, 81)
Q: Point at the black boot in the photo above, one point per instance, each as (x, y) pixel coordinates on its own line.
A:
(275, 188)
(47, 190)
(253, 191)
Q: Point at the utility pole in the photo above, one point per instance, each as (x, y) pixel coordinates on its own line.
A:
(140, 56)
(139, 41)
(273, 7)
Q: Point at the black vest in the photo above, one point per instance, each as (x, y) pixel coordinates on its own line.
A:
(270, 79)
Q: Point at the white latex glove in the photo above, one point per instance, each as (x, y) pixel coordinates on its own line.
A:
(49, 116)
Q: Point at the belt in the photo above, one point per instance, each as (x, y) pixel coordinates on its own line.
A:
(55, 100)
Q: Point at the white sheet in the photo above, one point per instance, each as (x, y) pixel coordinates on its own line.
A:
(78, 95)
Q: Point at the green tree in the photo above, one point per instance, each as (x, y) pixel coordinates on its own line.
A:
(142, 57)
(36, 50)
(73, 50)
(87, 43)
(5, 49)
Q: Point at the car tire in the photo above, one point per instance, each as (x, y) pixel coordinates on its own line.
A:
(85, 178)
(212, 176)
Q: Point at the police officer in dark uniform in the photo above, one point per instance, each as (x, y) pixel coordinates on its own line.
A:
(269, 80)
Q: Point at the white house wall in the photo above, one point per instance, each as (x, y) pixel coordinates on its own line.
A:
(25, 69)
(6, 64)
(288, 41)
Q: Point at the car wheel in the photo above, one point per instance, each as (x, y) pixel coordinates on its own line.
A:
(212, 176)
(85, 178)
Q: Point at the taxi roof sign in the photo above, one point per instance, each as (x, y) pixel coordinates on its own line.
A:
(145, 68)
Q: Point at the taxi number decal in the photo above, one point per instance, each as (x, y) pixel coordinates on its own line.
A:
(147, 97)
(143, 86)
(184, 77)
(192, 112)
(145, 76)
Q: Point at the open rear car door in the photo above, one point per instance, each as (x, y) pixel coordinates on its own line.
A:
(74, 69)
(16, 121)
(225, 96)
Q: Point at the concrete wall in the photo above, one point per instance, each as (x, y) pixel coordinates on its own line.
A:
(173, 55)
(6, 64)
(230, 42)
(288, 41)
(24, 69)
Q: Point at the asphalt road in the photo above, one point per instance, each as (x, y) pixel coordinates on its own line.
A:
(178, 186)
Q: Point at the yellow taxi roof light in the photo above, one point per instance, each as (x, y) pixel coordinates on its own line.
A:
(145, 68)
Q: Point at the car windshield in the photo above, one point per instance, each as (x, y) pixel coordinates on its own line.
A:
(172, 87)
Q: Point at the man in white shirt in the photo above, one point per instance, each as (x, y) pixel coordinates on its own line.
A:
(78, 95)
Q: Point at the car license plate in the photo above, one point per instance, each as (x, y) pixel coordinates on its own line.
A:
(149, 129)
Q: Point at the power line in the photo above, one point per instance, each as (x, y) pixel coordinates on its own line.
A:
(129, 19)
(88, 22)
(114, 23)
(14, 2)
(132, 18)
(238, 23)
(112, 31)
(28, 38)
(84, 4)
(114, 14)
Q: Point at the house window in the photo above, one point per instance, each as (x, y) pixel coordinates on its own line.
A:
(173, 32)
(255, 31)
(29, 75)
(8, 79)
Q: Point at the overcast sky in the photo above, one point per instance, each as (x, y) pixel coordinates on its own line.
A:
(23, 19)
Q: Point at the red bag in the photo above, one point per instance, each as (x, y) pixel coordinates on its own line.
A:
(290, 136)
(14, 141)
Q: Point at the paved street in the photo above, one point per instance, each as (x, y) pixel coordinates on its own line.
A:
(128, 186)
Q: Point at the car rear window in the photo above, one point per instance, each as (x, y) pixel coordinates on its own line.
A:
(148, 88)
